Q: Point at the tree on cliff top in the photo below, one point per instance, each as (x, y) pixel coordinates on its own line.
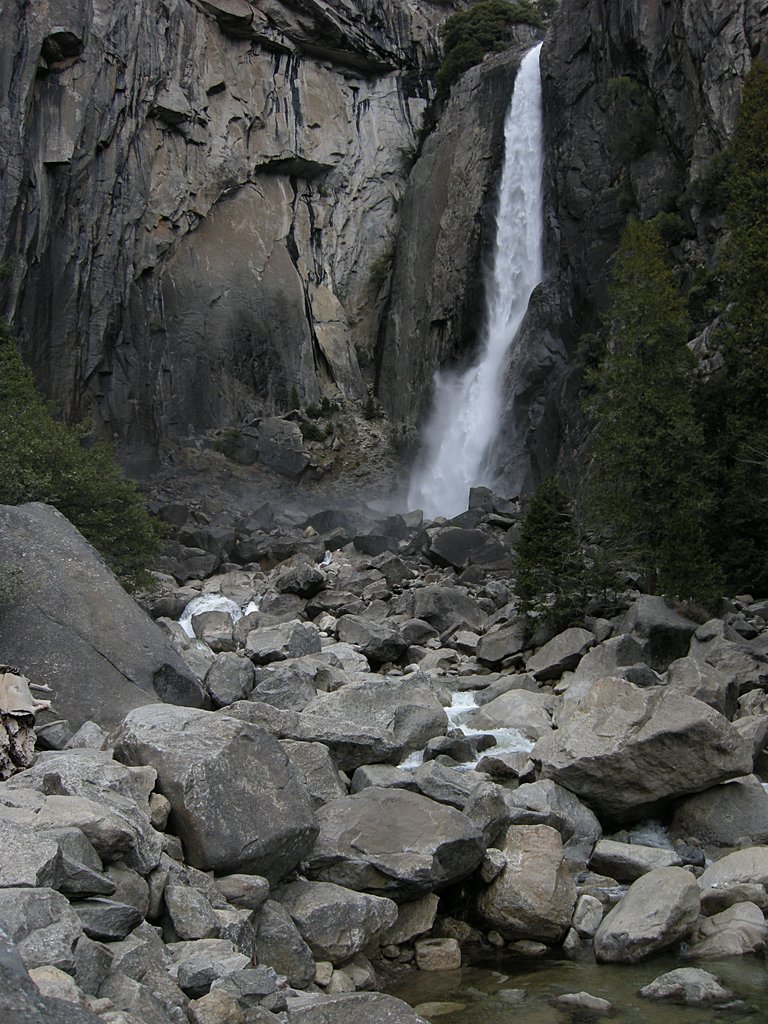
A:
(735, 398)
(484, 28)
(44, 460)
(647, 492)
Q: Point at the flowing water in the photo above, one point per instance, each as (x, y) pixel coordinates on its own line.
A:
(466, 406)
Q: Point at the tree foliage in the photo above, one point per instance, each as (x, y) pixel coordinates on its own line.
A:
(647, 490)
(735, 399)
(44, 460)
(550, 564)
(483, 28)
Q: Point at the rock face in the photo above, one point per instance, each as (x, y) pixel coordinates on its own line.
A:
(627, 751)
(71, 625)
(234, 793)
(226, 180)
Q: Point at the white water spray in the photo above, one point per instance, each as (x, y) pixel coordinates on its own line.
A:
(466, 407)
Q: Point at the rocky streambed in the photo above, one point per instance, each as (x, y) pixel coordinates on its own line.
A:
(347, 769)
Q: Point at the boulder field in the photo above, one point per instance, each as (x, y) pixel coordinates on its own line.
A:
(367, 766)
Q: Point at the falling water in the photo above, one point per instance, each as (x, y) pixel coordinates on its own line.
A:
(466, 406)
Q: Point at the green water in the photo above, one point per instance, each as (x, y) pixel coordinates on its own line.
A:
(515, 992)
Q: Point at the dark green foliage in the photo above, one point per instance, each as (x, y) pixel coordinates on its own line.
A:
(671, 227)
(550, 563)
(484, 28)
(711, 189)
(43, 460)
(646, 491)
(312, 431)
(735, 400)
(633, 113)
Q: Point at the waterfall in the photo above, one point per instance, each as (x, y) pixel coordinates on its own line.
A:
(466, 406)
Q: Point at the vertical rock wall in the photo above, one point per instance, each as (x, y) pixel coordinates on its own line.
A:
(198, 196)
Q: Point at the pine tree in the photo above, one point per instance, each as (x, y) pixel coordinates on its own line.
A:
(735, 399)
(646, 493)
(550, 565)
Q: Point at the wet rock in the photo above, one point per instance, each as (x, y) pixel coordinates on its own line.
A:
(659, 910)
(261, 817)
(585, 1002)
(335, 922)
(631, 750)
(529, 713)
(534, 895)
(393, 843)
(688, 985)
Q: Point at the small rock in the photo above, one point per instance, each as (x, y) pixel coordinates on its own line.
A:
(585, 1001)
(438, 955)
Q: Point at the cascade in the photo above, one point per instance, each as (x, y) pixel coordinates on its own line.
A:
(466, 406)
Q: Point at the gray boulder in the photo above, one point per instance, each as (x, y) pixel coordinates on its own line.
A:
(335, 922)
(703, 681)
(688, 985)
(663, 633)
(561, 653)
(546, 803)
(444, 607)
(285, 684)
(626, 862)
(459, 548)
(502, 643)
(736, 931)
(235, 796)
(534, 895)
(30, 858)
(74, 627)
(106, 920)
(735, 814)
(279, 944)
(351, 1008)
(629, 751)
(286, 640)
(318, 772)
(281, 447)
(529, 713)
(229, 678)
(721, 647)
(43, 926)
(393, 843)
(658, 911)
(378, 641)
(732, 872)
(304, 579)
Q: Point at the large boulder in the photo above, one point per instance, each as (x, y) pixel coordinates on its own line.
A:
(445, 607)
(534, 895)
(528, 712)
(546, 803)
(626, 862)
(405, 706)
(663, 633)
(43, 926)
(561, 653)
(351, 1008)
(733, 932)
(335, 922)
(502, 643)
(735, 814)
(658, 911)
(378, 641)
(732, 873)
(71, 625)
(460, 548)
(628, 751)
(236, 797)
(394, 843)
(721, 647)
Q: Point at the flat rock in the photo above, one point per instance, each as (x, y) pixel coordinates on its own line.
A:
(286, 640)
(688, 985)
(236, 797)
(106, 920)
(393, 843)
(371, 1007)
(626, 862)
(659, 910)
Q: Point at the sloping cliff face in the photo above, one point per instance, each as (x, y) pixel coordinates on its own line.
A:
(198, 196)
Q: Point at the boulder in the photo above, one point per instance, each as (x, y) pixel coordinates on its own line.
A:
(229, 678)
(405, 706)
(190, 912)
(628, 751)
(393, 843)
(704, 682)
(687, 985)
(459, 548)
(561, 653)
(502, 643)
(43, 926)
(608, 658)
(285, 684)
(732, 872)
(663, 633)
(438, 954)
(534, 895)
(413, 919)
(734, 814)
(281, 447)
(247, 891)
(446, 785)
(546, 803)
(235, 796)
(30, 858)
(286, 640)
(77, 630)
(279, 944)
(528, 713)
(445, 607)
(626, 862)
(733, 932)
(354, 1007)
(659, 910)
(378, 641)
(304, 579)
(335, 922)
(106, 920)
(721, 647)
(319, 774)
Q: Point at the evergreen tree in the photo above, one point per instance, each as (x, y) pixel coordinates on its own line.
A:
(735, 399)
(43, 460)
(647, 493)
(550, 565)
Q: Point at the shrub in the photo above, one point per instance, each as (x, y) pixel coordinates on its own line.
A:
(469, 35)
(633, 113)
(44, 460)
(311, 431)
